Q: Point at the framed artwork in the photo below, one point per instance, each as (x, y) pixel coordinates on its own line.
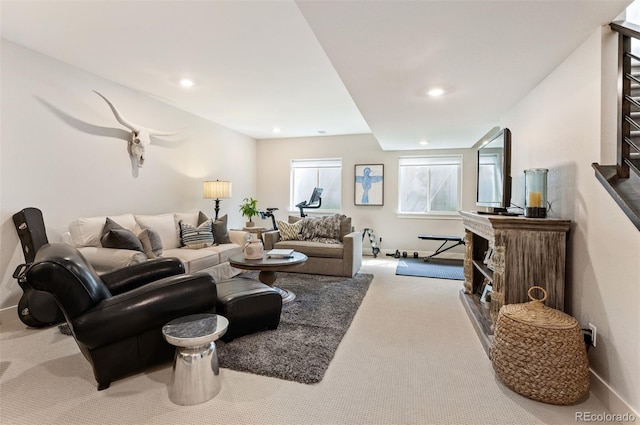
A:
(369, 184)
(487, 256)
(486, 294)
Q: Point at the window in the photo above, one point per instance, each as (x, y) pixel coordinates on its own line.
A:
(309, 173)
(429, 184)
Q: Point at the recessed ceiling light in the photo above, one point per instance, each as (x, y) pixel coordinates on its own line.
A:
(436, 91)
(185, 82)
(276, 129)
(424, 142)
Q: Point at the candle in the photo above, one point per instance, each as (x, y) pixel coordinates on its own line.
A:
(535, 199)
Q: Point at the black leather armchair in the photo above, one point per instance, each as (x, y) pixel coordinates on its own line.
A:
(117, 318)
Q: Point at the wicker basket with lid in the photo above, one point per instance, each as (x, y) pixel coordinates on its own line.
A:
(539, 352)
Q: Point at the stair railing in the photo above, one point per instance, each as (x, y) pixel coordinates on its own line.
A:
(622, 180)
(628, 144)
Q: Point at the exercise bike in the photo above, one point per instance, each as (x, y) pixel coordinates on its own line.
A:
(315, 201)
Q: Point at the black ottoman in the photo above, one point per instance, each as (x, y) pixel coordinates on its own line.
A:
(249, 305)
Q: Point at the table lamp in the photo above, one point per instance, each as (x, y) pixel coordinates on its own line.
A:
(217, 190)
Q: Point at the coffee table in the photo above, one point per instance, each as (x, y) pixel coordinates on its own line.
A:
(268, 268)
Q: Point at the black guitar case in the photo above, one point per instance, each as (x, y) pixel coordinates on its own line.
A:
(36, 308)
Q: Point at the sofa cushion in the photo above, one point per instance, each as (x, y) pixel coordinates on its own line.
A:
(196, 237)
(116, 236)
(105, 260)
(313, 249)
(151, 243)
(165, 225)
(188, 218)
(88, 231)
(194, 259)
(289, 232)
(225, 250)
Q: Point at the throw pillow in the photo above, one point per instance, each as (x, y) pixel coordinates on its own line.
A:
(151, 243)
(345, 226)
(188, 218)
(196, 237)
(220, 232)
(202, 217)
(325, 227)
(289, 232)
(117, 237)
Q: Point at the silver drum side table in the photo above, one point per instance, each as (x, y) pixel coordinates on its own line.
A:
(195, 378)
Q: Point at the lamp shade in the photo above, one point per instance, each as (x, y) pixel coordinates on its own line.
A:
(216, 189)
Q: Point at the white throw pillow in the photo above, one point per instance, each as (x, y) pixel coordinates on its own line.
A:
(164, 225)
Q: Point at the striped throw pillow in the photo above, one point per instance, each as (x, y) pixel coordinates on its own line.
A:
(289, 232)
(196, 237)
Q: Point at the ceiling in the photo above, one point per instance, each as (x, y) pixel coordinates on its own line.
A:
(315, 68)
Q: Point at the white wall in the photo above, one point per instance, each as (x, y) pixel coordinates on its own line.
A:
(64, 152)
(565, 124)
(397, 233)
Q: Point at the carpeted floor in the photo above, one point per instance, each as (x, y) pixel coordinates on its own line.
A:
(311, 328)
(410, 356)
(435, 267)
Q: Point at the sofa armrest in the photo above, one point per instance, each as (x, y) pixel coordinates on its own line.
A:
(352, 257)
(109, 259)
(148, 307)
(270, 239)
(132, 277)
(238, 237)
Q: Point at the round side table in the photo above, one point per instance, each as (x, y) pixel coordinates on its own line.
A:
(195, 378)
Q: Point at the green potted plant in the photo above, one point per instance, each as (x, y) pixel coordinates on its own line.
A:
(249, 209)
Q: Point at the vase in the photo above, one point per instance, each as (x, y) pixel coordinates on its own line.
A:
(253, 249)
(249, 224)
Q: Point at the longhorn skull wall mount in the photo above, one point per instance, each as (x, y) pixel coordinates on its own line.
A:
(140, 137)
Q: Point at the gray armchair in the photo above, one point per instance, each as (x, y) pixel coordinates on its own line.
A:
(333, 259)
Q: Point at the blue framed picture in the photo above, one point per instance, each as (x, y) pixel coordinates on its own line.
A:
(369, 184)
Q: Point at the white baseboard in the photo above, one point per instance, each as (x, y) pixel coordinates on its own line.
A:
(611, 400)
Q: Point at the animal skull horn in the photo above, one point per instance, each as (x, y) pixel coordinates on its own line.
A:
(140, 136)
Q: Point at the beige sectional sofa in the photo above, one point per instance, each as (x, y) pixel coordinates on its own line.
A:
(332, 249)
(85, 234)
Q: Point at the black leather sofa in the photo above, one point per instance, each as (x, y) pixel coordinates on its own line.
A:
(117, 318)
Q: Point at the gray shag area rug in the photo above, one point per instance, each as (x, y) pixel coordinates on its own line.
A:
(311, 328)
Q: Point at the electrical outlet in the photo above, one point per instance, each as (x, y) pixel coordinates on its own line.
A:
(593, 333)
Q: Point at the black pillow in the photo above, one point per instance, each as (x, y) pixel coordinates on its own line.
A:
(151, 243)
(220, 232)
(202, 217)
(117, 237)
